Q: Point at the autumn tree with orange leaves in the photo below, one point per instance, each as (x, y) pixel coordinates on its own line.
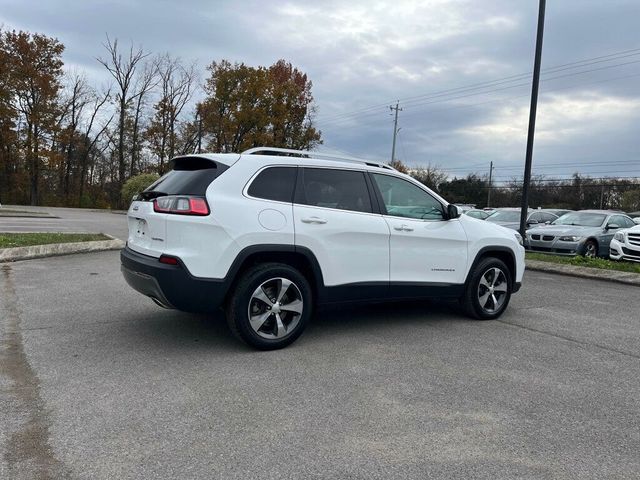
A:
(248, 107)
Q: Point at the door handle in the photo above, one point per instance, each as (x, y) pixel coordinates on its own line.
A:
(403, 228)
(316, 220)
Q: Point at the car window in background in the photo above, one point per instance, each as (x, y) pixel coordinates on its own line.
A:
(546, 217)
(582, 219)
(404, 199)
(536, 217)
(479, 214)
(504, 216)
(619, 220)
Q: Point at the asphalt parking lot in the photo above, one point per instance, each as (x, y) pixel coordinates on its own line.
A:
(97, 382)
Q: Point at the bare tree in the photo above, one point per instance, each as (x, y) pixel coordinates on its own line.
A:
(145, 82)
(123, 70)
(97, 103)
(431, 176)
(177, 83)
(78, 95)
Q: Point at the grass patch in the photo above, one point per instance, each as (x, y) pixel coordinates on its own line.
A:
(580, 261)
(10, 240)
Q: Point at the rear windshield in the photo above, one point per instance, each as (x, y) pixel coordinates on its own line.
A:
(190, 176)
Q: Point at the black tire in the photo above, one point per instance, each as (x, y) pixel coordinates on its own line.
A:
(590, 249)
(471, 301)
(268, 277)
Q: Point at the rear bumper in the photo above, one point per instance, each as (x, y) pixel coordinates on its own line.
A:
(171, 286)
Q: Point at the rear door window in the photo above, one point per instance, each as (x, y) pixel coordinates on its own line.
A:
(332, 188)
(189, 176)
(274, 183)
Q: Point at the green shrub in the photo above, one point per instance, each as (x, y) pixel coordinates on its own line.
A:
(137, 184)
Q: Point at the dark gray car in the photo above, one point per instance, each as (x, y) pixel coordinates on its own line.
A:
(586, 232)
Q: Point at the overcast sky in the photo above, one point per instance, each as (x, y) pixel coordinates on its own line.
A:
(362, 56)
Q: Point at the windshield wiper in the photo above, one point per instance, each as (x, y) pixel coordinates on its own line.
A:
(151, 195)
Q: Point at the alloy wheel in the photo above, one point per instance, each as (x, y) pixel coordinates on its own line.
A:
(590, 250)
(275, 308)
(492, 290)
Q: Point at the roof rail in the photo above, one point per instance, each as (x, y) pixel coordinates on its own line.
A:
(319, 155)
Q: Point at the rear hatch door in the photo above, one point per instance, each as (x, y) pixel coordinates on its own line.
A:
(189, 176)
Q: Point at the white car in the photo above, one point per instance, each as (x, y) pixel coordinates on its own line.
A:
(269, 234)
(625, 245)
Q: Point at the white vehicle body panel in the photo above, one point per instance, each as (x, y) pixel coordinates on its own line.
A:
(427, 250)
(351, 247)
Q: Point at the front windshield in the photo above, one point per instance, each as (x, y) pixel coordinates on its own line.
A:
(581, 218)
(504, 216)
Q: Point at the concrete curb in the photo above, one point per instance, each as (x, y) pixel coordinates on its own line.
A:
(628, 278)
(25, 215)
(15, 254)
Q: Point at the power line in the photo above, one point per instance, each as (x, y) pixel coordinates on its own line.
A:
(497, 100)
(450, 98)
(590, 179)
(576, 64)
(488, 83)
(598, 163)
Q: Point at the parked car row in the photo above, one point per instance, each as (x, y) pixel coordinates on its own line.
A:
(586, 232)
(592, 233)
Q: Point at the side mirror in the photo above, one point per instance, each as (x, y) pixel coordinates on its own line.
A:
(548, 222)
(612, 226)
(532, 222)
(452, 212)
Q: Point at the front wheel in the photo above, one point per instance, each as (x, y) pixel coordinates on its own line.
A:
(270, 306)
(488, 290)
(591, 249)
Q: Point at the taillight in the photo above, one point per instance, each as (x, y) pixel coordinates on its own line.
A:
(181, 205)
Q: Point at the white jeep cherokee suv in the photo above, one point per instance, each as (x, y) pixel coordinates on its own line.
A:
(271, 233)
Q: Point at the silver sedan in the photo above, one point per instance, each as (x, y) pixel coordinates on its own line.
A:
(587, 232)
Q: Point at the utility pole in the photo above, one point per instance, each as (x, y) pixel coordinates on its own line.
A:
(395, 129)
(532, 118)
(490, 177)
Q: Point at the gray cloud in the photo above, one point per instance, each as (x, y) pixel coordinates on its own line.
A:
(368, 53)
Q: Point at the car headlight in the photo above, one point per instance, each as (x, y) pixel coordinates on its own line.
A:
(518, 238)
(619, 236)
(569, 238)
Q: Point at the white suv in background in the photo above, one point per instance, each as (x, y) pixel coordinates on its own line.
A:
(271, 233)
(625, 245)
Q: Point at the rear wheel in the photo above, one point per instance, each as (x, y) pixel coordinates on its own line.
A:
(488, 290)
(270, 306)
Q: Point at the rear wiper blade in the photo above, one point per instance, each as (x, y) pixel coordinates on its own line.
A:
(151, 195)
